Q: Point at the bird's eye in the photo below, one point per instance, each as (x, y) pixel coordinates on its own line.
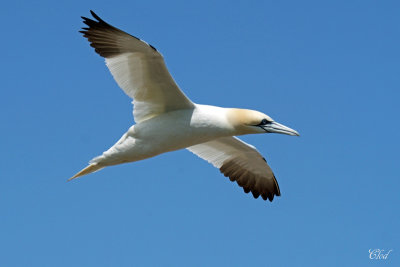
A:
(264, 121)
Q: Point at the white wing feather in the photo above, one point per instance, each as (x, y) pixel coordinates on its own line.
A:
(138, 68)
(240, 162)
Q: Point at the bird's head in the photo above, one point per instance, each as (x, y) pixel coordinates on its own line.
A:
(248, 121)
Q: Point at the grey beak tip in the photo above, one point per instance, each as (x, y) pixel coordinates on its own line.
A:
(295, 133)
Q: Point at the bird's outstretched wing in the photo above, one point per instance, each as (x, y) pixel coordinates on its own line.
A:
(242, 163)
(138, 68)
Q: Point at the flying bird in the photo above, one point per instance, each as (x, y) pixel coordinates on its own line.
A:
(167, 120)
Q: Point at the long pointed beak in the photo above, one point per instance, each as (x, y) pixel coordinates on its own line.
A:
(275, 127)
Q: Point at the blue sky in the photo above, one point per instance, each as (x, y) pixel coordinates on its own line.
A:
(329, 69)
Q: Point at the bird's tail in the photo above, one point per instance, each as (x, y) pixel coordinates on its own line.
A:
(89, 169)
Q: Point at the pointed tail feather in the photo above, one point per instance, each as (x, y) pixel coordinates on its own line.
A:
(89, 169)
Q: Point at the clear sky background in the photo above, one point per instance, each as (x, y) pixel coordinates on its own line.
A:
(329, 69)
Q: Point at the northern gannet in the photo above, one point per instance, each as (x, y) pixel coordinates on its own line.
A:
(166, 119)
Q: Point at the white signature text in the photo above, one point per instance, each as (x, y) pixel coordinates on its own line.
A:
(379, 254)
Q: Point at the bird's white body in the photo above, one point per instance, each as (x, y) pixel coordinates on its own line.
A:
(169, 132)
(167, 120)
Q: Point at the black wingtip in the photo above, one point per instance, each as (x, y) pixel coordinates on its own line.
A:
(271, 197)
(94, 15)
(85, 18)
(277, 190)
(255, 194)
(97, 17)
